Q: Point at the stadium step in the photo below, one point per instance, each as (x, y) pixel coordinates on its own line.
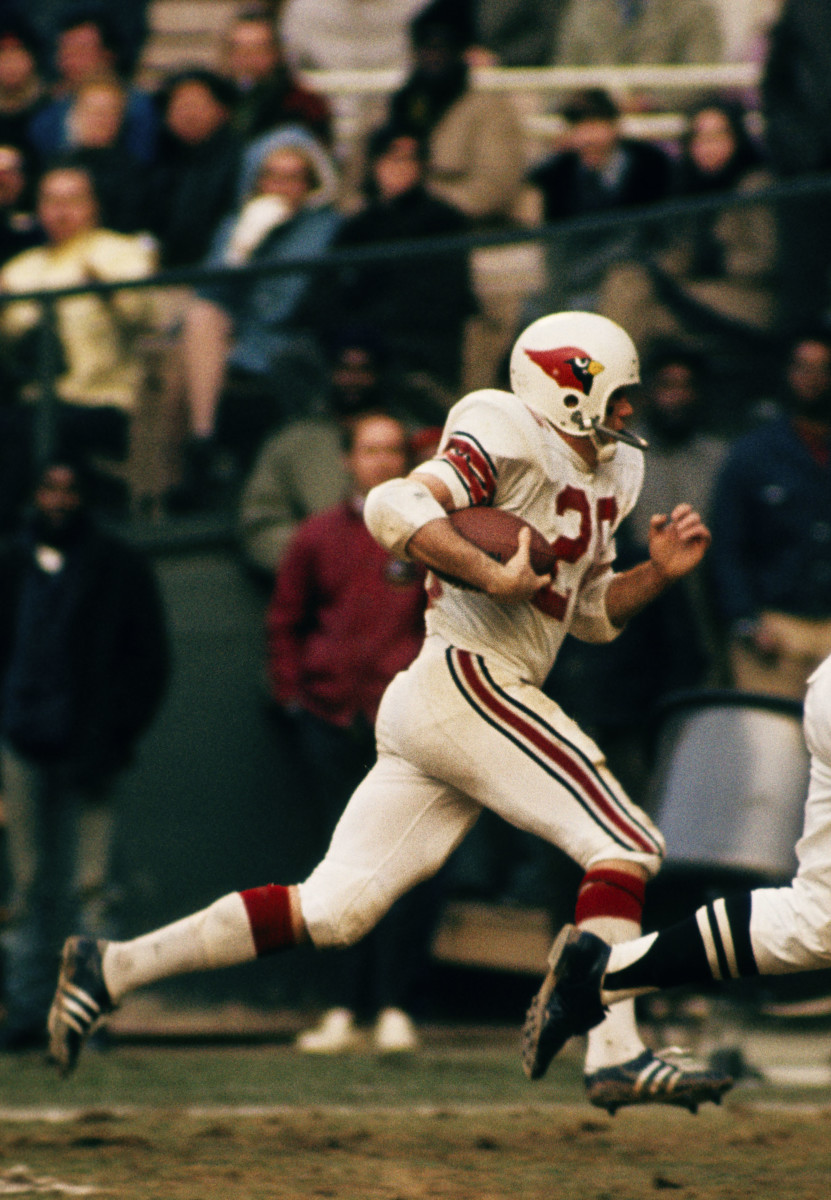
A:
(184, 33)
(499, 937)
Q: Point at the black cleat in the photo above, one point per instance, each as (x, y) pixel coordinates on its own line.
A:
(568, 1002)
(81, 1000)
(651, 1079)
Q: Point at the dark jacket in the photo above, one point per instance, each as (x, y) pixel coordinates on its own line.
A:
(118, 651)
(281, 100)
(796, 88)
(568, 191)
(190, 190)
(416, 306)
(771, 523)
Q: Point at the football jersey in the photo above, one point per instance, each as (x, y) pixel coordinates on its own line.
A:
(496, 451)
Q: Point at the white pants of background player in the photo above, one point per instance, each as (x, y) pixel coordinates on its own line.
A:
(456, 733)
(790, 927)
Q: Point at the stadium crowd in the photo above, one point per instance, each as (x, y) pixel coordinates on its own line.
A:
(252, 375)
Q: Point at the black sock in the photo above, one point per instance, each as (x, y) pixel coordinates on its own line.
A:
(681, 955)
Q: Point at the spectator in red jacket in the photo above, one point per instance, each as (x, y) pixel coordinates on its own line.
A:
(345, 617)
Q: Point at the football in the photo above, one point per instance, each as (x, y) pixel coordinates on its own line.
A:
(496, 531)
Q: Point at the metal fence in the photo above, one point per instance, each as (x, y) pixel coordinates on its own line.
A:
(657, 215)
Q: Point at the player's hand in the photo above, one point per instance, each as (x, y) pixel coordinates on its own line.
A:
(516, 580)
(678, 543)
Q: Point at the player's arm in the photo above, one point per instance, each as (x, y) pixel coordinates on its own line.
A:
(677, 545)
(408, 516)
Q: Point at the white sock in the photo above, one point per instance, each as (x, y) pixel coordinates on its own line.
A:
(217, 936)
(616, 1039)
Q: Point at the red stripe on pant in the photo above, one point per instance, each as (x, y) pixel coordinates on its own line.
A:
(557, 755)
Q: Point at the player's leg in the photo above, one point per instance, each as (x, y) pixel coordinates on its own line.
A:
(96, 974)
(610, 905)
(514, 749)
(397, 829)
(770, 931)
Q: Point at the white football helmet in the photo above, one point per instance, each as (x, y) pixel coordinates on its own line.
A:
(567, 365)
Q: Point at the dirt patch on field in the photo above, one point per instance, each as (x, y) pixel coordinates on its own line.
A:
(562, 1153)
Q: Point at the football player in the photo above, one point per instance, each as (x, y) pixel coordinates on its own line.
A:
(768, 931)
(467, 725)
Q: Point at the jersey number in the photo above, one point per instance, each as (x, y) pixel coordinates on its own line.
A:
(571, 549)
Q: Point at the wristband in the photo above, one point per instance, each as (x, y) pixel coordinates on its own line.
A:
(397, 509)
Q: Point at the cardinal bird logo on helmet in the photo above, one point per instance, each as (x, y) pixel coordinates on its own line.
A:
(568, 366)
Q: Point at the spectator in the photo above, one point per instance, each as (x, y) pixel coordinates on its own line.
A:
(596, 170)
(256, 151)
(238, 342)
(268, 95)
(193, 184)
(22, 91)
(796, 102)
(475, 161)
(513, 33)
(772, 533)
(344, 35)
(97, 136)
(683, 459)
(637, 32)
(84, 664)
(88, 48)
(101, 374)
(417, 307)
(128, 22)
(300, 469)
(19, 228)
(712, 283)
(475, 149)
(344, 618)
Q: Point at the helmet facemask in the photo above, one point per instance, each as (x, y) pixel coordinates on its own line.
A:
(606, 449)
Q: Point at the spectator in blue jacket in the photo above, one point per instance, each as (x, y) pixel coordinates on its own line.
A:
(246, 366)
(771, 557)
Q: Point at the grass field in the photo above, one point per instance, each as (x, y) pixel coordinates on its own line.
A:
(457, 1121)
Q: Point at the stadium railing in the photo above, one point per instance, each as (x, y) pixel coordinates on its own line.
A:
(423, 248)
(652, 98)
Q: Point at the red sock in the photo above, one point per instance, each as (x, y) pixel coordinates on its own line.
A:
(269, 912)
(608, 893)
